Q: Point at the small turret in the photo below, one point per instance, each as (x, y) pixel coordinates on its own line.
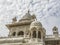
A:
(14, 20)
(55, 31)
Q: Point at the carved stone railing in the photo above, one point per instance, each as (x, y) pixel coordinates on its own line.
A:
(49, 36)
(22, 44)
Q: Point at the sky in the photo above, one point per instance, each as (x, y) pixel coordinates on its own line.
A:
(46, 11)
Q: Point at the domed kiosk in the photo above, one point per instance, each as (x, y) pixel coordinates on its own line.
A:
(37, 31)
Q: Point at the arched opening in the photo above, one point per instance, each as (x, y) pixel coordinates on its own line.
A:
(20, 33)
(34, 34)
(39, 34)
(14, 33)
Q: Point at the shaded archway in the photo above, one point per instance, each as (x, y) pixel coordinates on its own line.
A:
(39, 34)
(14, 33)
(34, 34)
(20, 33)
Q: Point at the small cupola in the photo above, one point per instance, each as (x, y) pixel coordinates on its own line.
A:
(14, 20)
(55, 31)
(37, 31)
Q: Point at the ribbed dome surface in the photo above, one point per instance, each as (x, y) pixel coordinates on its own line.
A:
(36, 23)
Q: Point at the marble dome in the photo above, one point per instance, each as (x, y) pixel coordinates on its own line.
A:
(35, 24)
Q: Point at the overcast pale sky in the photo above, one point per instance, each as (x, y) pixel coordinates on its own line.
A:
(46, 11)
